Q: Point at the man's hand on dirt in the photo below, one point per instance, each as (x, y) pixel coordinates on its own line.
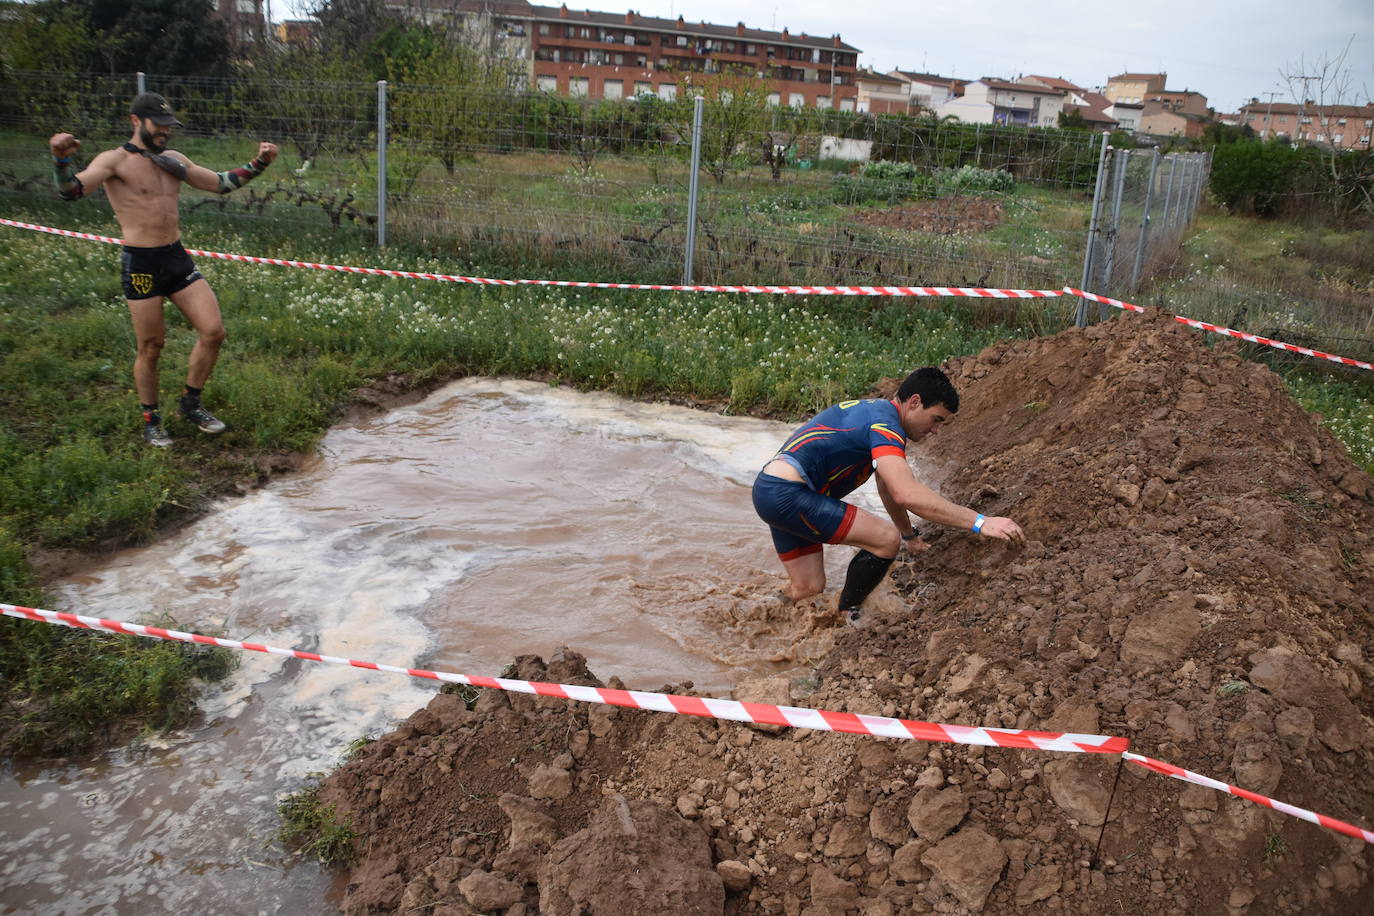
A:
(1003, 528)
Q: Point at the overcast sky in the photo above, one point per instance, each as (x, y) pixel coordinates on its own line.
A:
(1228, 51)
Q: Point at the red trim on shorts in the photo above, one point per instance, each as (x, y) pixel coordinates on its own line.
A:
(883, 450)
(850, 513)
(800, 552)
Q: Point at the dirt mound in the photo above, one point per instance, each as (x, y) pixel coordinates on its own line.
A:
(957, 215)
(1199, 579)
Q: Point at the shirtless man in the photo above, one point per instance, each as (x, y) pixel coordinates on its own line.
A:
(142, 179)
(798, 492)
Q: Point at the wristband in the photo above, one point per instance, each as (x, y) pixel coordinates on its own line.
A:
(978, 523)
(914, 534)
(65, 160)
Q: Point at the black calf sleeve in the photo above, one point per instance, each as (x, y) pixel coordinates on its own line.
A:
(866, 570)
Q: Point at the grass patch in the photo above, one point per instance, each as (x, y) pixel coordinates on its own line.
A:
(312, 829)
(68, 691)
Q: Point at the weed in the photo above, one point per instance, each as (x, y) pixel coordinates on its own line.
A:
(466, 692)
(1232, 689)
(314, 829)
(1275, 846)
(356, 747)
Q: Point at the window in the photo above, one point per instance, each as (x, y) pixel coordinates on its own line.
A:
(543, 28)
(248, 6)
(642, 88)
(682, 41)
(577, 86)
(585, 33)
(774, 98)
(546, 83)
(1337, 139)
(822, 101)
(613, 89)
(751, 49)
(1307, 120)
(1365, 139)
(796, 100)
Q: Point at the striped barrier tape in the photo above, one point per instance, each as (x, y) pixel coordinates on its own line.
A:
(709, 707)
(967, 291)
(1229, 332)
(971, 291)
(1330, 823)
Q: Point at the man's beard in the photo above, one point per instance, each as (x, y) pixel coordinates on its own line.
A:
(156, 144)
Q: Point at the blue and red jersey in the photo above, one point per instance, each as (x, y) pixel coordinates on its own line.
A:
(836, 448)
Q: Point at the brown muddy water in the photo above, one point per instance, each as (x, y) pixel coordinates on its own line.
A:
(493, 519)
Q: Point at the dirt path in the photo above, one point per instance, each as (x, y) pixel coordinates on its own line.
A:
(1200, 579)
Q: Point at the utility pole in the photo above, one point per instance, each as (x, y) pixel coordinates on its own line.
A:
(1268, 114)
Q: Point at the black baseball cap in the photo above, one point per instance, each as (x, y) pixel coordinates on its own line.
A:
(154, 107)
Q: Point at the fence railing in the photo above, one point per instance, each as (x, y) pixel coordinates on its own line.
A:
(785, 196)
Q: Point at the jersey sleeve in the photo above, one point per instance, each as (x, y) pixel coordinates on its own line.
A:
(884, 439)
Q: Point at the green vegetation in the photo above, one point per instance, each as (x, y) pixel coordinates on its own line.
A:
(312, 829)
(68, 691)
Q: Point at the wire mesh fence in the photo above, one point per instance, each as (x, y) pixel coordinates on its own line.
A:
(786, 195)
(1144, 203)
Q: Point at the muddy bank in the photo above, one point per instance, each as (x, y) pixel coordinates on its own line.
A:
(1200, 579)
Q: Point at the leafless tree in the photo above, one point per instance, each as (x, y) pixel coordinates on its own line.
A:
(1318, 86)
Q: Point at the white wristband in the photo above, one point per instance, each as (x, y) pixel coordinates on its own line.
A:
(978, 523)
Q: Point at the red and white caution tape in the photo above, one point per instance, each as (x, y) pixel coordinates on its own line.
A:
(1330, 823)
(761, 713)
(1229, 332)
(967, 291)
(976, 292)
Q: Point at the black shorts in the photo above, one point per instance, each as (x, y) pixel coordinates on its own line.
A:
(160, 271)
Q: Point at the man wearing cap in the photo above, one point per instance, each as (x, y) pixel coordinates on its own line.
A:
(798, 491)
(142, 179)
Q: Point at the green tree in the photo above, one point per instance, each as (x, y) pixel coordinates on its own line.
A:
(175, 37)
(1253, 177)
(1072, 119)
(734, 115)
(448, 101)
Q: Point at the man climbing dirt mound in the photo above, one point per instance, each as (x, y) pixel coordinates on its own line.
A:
(1199, 579)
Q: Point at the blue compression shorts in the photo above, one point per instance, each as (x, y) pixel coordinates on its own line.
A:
(801, 519)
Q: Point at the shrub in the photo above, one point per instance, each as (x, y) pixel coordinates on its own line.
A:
(1252, 177)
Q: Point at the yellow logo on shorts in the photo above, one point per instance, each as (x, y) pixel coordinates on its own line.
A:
(142, 283)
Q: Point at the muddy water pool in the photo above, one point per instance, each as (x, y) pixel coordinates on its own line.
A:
(492, 519)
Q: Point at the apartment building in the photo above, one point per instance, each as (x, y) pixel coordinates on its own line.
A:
(927, 90)
(1185, 102)
(993, 101)
(613, 55)
(244, 21)
(1347, 127)
(882, 94)
(1091, 105)
(1134, 88)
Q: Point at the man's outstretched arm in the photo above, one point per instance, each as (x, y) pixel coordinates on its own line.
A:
(224, 182)
(916, 497)
(70, 183)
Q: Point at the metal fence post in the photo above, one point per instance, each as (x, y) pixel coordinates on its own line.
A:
(142, 83)
(1144, 238)
(381, 163)
(1123, 157)
(1081, 319)
(1169, 196)
(697, 104)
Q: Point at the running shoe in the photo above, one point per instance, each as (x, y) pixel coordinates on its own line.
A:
(852, 615)
(205, 421)
(155, 435)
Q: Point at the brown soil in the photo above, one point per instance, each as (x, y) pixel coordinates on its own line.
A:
(958, 215)
(1199, 579)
